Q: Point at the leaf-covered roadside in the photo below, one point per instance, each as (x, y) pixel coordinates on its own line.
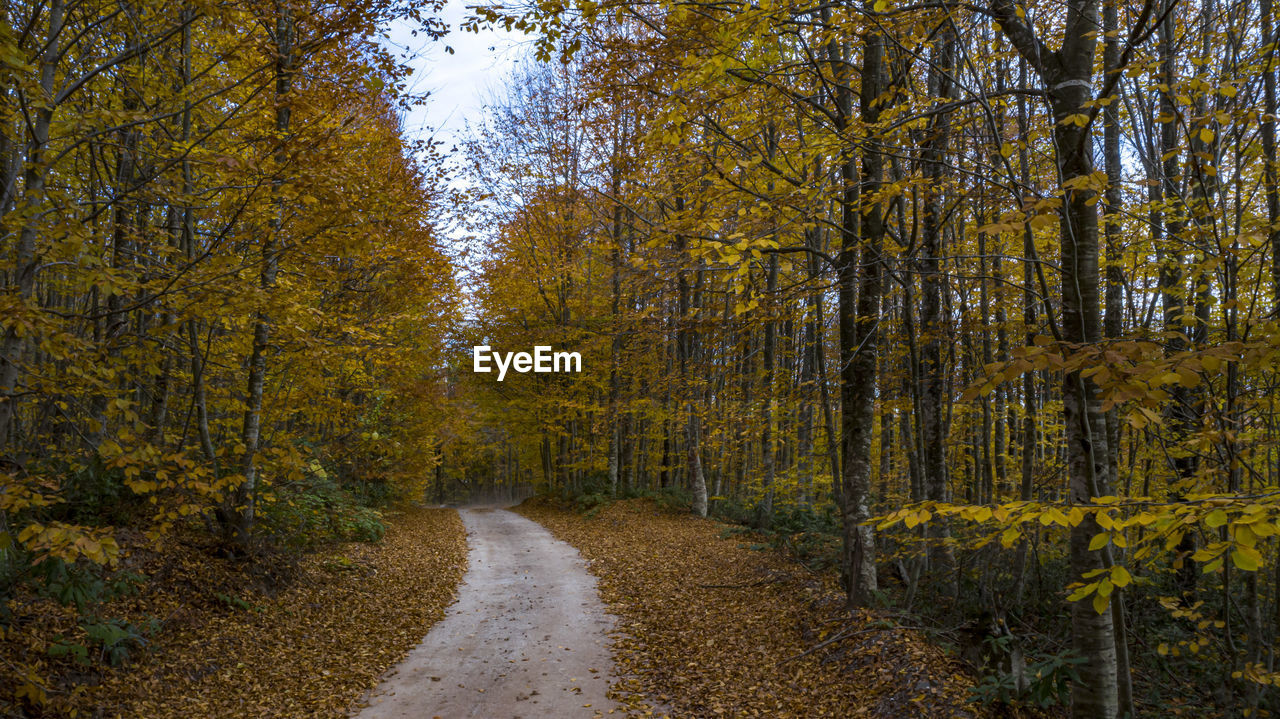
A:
(307, 648)
(712, 628)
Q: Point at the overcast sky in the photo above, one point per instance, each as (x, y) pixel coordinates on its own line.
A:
(458, 83)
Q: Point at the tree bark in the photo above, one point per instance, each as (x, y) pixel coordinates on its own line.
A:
(26, 258)
(933, 328)
(245, 496)
(861, 231)
(1067, 73)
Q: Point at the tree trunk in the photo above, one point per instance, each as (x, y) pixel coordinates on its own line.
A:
(26, 260)
(859, 296)
(245, 496)
(686, 339)
(934, 330)
(1067, 74)
(768, 452)
(1112, 324)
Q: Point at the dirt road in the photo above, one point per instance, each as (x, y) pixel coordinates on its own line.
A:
(526, 639)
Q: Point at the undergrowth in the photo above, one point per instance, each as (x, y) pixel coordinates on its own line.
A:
(71, 613)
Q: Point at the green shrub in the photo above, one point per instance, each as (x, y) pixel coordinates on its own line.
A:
(116, 638)
(361, 524)
(84, 586)
(371, 493)
(733, 511)
(1048, 681)
(97, 496)
(111, 640)
(234, 602)
(670, 499)
(319, 509)
(592, 502)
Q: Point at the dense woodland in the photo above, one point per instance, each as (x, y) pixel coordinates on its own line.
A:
(222, 293)
(979, 303)
(994, 284)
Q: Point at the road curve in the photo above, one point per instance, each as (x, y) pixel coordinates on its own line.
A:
(526, 638)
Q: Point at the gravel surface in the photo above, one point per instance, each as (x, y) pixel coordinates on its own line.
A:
(527, 637)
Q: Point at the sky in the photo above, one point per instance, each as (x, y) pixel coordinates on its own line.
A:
(459, 83)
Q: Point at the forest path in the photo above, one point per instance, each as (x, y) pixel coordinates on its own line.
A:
(526, 638)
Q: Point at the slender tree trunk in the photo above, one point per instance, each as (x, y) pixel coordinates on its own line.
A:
(768, 453)
(861, 228)
(1112, 323)
(245, 496)
(615, 300)
(1271, 182)
(1067, 74)
(936, 330)
(686, 339)
(1271, 187)
(26, 260)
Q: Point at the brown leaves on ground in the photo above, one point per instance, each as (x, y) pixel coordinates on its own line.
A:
(712, 628)
(232, 646)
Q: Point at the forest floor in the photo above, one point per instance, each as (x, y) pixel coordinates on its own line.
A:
(703, 624)
(709, 627)
(302, 636)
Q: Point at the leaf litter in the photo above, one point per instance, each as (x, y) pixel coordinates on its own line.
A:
(296, 638)
(712, 628)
